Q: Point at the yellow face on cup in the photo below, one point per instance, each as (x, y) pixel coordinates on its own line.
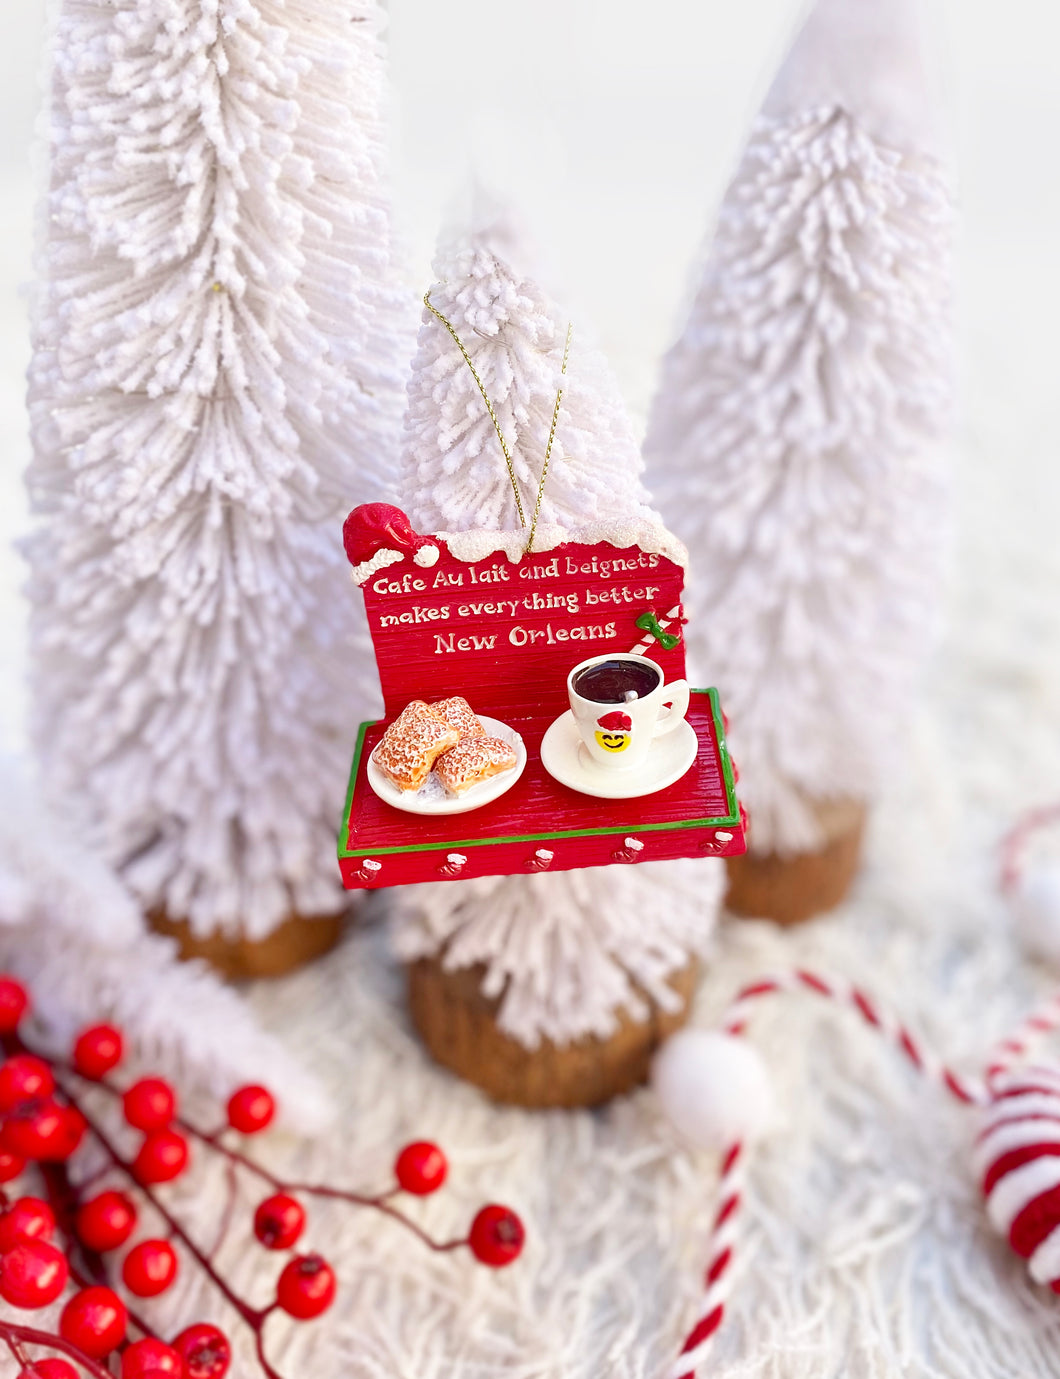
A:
(614, 732)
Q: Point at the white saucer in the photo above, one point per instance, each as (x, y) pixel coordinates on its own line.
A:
(432, 798)
(564, 757)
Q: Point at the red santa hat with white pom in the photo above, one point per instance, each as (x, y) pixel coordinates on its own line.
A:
(377, 535)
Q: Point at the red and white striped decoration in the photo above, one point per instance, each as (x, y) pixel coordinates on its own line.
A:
(1017, 1158)
(912, 1049)
(1017, 1153)
(648, 640)
(718, 1276)
(718, 1279)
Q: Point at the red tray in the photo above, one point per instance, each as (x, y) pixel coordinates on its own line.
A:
(541, 825)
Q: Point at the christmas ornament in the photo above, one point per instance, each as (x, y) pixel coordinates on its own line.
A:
(534, 978)
(503, 630)
(470, 618)
(90, 1222)
(796, 436)
(1017, 1159)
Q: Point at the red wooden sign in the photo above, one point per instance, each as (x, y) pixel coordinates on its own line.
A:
(505, 634)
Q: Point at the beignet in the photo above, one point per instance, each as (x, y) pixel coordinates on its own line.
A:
(459, 714)
(410, 746)
(474, 759)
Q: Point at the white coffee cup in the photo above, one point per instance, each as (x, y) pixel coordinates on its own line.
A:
(618, 732)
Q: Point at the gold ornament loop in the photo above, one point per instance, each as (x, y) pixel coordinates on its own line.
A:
(497, 426)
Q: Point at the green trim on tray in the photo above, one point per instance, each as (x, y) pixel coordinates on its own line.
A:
(344, 831)
(727, 772)
(732, 818)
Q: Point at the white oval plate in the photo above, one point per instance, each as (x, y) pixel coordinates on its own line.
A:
(432, 798)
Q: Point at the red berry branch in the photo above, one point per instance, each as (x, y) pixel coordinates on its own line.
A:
(45, 1119)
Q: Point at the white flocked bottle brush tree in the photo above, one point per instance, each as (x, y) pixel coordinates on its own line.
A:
(219, 349)
(797, 433)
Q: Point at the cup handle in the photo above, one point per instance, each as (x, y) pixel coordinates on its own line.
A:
(677, 692)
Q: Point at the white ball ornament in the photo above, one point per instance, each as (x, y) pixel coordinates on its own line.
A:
(713, 1087)
(1035, 905)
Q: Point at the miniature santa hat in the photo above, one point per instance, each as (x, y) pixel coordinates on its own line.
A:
(376, 535)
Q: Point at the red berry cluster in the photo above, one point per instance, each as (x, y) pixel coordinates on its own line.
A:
(41, 1121)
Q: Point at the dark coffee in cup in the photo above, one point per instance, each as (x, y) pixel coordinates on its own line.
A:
(616, 682)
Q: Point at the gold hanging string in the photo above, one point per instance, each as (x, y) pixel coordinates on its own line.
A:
(497, 426)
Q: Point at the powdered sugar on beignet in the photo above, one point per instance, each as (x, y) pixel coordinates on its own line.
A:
(459, 714)
(474, 759)
(412, 744)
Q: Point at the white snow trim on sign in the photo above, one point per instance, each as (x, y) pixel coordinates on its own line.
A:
(567, 952)
(620, 533)
(363, 572)
(425, 557)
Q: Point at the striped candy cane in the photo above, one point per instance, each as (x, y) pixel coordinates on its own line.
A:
(718, 1277)
(645, 643)
(723, 1239)
(1018, 1148)
(968, 1090)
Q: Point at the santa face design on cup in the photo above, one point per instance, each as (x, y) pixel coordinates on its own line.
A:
(621, 704)
(614, 731)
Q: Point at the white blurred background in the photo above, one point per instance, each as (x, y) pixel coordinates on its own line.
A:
(614, 127)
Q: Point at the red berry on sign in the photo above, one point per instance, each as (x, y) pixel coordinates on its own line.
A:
(94, 1320)
(205, 1351)
(27, 1219)
(150, 1268)
(279, 1221)
(14, 1002)
(421, 1168)
(251, 1109)
(497, 1236)
(105, 1222)
(42, 1130)
(306, 1287)
(51, 1368)
(33, 1274)
(162, 1157)
(10, 1165)
(150, 1104)
(98, 1051)
(24, 1078)
(150, 1359)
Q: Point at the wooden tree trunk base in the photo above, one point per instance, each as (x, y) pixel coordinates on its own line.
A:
(792, 889)
(296, 941)
(458, 1024)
